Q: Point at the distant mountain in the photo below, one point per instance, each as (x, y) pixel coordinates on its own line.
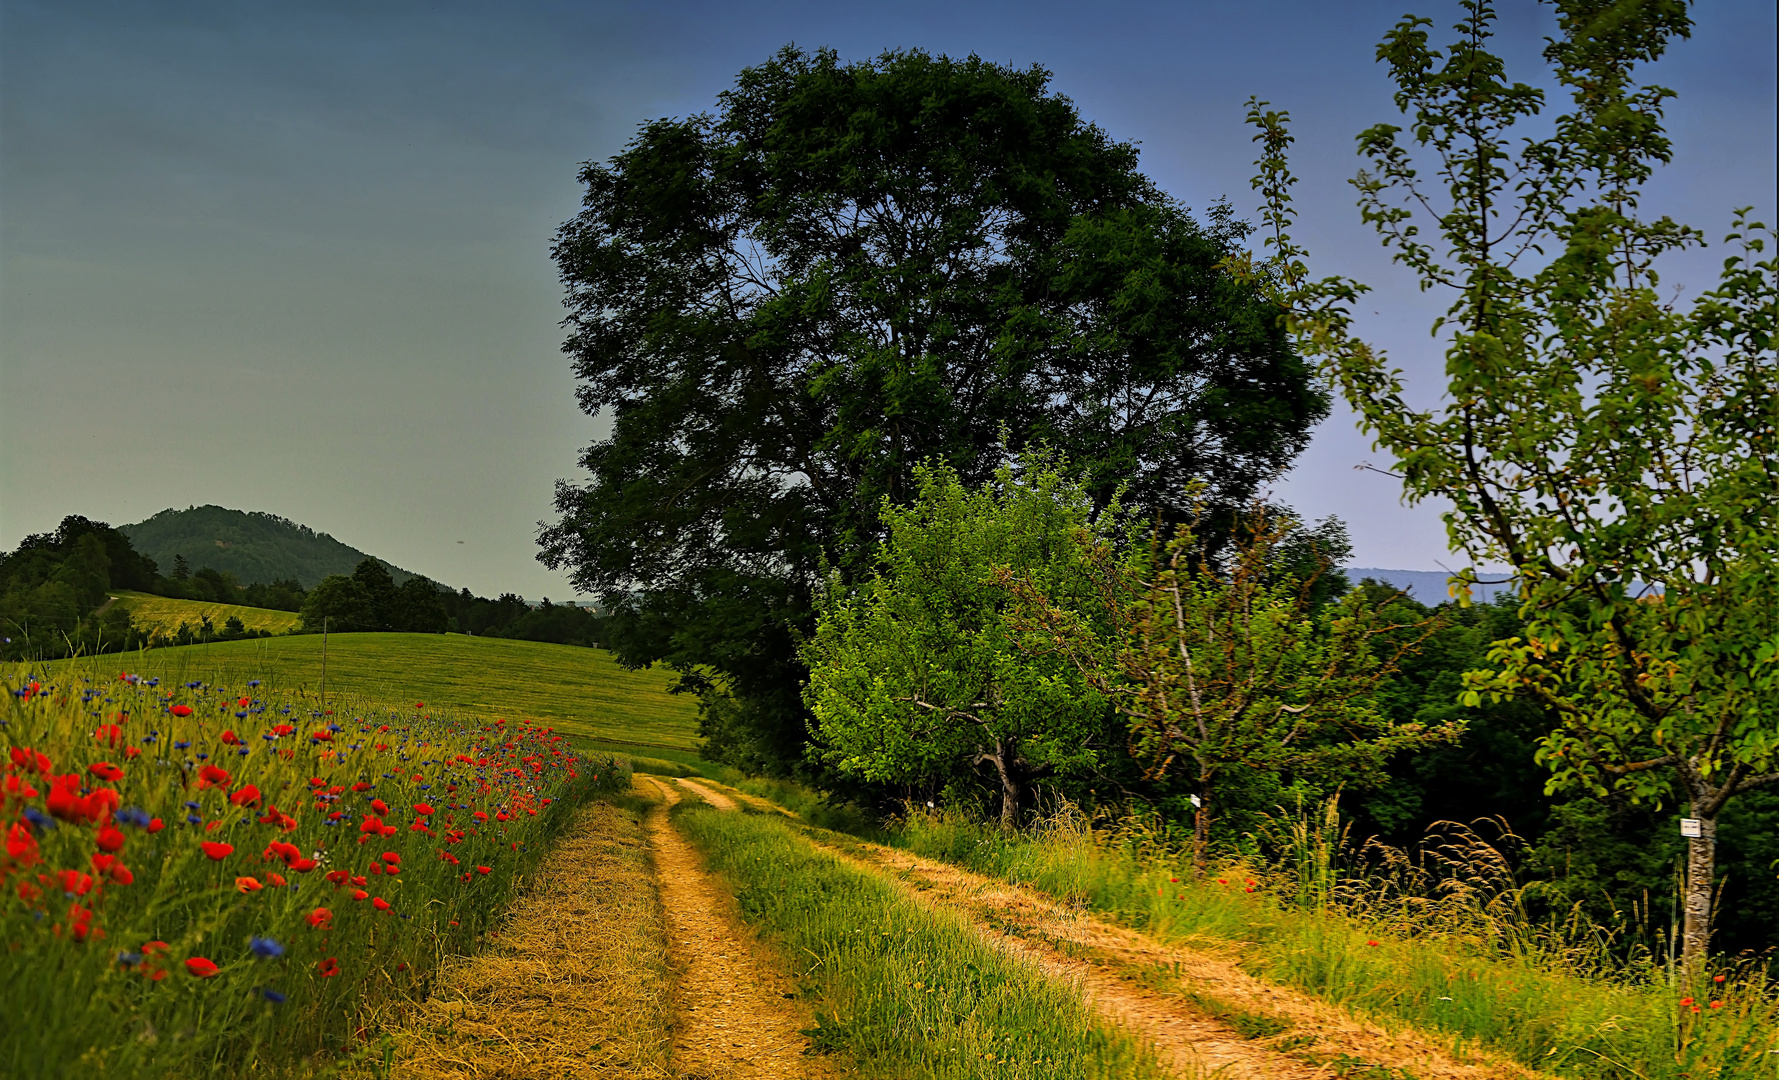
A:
(252, 546)
(1427, 586)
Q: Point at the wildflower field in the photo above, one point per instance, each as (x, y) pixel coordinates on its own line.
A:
(208, 879)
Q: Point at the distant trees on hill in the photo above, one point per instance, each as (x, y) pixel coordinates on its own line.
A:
(55, 599)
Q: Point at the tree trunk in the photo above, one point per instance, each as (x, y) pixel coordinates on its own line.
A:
(1701, 865)
(1201, 828)
(1009, 789)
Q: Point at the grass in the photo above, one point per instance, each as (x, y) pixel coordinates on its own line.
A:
(577, 970)
(163, 614)
(1461, 965)
(581, 692)
(905, 991)
(143, 840)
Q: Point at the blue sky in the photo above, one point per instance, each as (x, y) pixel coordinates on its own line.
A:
(294, 256)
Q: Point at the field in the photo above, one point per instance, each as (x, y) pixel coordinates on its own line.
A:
(163, 614)
(581, 692)
(684, 926)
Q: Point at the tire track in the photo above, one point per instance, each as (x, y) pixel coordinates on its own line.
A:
(734, 1019)
(1105, 961)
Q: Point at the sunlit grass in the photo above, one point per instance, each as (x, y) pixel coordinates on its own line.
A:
(905, 991)
(581, 692)
(164, 614)
(1538, 994)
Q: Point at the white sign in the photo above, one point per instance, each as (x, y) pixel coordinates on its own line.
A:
(1691, 827)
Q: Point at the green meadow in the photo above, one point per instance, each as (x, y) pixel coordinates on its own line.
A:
(163, 614)
(581, 692)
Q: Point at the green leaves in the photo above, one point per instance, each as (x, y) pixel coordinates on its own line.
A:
(1617, 451)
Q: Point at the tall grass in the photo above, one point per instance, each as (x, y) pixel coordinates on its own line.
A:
(168, 847)
(906, 992)
(1439, 938)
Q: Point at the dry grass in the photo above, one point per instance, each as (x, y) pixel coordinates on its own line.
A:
(576, 985)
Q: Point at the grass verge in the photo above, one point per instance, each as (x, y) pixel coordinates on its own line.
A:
(909, 992)
(1478, 979)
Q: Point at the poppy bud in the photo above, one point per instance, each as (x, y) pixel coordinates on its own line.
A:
(217, 851)
(200, 967)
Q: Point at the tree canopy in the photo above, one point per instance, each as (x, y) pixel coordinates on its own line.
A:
(1616, 448)
(917, 676)
(851, 268)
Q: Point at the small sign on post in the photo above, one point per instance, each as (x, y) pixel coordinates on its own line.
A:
(1692, 828)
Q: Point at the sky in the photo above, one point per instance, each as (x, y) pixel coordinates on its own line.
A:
(293, 257)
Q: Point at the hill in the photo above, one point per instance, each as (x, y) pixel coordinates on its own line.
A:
(163, 614)
(579, 691)
(252, 546)
(1427, 586)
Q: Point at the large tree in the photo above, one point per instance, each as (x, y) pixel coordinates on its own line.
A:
(1619, 450)
(848, 269)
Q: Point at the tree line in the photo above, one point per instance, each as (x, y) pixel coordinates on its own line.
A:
(55, 600)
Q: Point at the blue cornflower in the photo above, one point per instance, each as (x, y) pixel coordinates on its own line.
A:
(271, 995)
(194, 819)
(265, 948)
(193, 806)
(41, 821)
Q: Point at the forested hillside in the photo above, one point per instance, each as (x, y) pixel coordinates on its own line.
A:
(249, 545)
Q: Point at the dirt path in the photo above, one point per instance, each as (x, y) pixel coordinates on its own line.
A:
(574, 984)
(1113, 964)
(1143, 985)
(734, 1017)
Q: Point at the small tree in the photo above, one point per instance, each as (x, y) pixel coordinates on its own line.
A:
(341, 602)
(1620, 452)
(1217, 669)
(917, 673)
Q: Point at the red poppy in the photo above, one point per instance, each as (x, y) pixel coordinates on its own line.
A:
(484, 869)
(75, 882)
(381, 807)
(321, 918)
(180, 710)
(217, 851)
(423, 809)
(132, 752)
(21, 846)
(328, 968)
(277, 879)
(360, 894)
(155, 825)
(323, 736)
(109, 734)
(247, 885)
(229, 738)
(302, 866)
(391, 857)
(380, 904)
(243, 703)
(110, 839)
(120, 874)
(200, 967)
(210, 776)
(245, 795)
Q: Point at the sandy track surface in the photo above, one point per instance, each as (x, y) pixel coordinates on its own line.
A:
(572, 986)
(1104, 960)
(1108, 963)
(735, 1021)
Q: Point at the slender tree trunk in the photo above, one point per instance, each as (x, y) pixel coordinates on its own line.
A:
(1009, 789)
(1201, 828)
(1701, 865)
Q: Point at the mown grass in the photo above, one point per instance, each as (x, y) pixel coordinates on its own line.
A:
(163, 614)
(906, 992)
(1460, 966)
(580, 692)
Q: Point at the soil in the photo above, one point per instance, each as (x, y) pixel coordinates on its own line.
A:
(734, 1019)
(1142, 984)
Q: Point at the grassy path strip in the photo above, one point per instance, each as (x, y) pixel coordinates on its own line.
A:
(575, 985)
(1190, 1003)
(1255, 1028)
(906, 991)
(736, 1013)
